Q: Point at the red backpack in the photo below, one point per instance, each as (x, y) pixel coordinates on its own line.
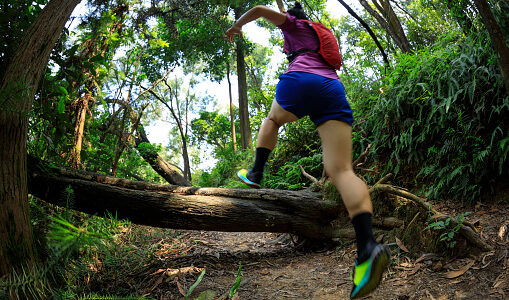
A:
(328, 49)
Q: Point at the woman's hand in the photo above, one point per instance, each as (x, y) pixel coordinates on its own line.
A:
(230, 33)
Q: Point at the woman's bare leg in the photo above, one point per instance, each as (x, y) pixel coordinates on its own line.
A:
(267, 139)
(267, 135)
(337, 158)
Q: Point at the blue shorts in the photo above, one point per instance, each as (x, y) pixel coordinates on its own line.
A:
(320, 98)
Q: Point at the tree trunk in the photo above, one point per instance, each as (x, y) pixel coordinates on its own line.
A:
(79, 128)
(186, 207)
(497, 38)
(96, 45)
(185, 156)
(368, 29)
(245, 127)
(232, 117)
(390, 23)
(18, 87)
(169, 172)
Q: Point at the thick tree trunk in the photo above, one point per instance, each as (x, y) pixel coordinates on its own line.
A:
(18, 87)
(302, 213)
(245, 127)
(186, 207)
(169, 172)
(497, 38)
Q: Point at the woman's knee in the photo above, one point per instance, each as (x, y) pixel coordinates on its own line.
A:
(280, 116)
(275, 122)
(336, 169)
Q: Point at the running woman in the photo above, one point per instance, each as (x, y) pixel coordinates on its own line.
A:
(311, 87)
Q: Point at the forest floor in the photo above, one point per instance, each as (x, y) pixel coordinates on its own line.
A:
(272, 268)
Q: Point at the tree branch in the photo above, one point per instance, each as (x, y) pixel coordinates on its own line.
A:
(370, 32)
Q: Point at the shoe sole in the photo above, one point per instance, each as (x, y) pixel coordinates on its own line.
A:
(380, 262)
(247, 181)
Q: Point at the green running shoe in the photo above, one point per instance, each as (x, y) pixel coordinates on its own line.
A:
(367, 275)
(244, 176)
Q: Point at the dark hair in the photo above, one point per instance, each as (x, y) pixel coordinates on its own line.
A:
(297, 11)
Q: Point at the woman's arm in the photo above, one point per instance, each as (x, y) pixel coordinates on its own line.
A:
(254, 13)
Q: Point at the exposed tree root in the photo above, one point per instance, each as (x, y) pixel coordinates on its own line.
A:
(465, 228)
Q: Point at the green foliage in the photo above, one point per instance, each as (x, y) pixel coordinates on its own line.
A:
(296, 140)
(223, 174)
(298, 145)
(446, 230)
(236, 286)
(439, 118)
(16, 16)
(214, 128)
(289, 175)
(67, 243)
(195, 284)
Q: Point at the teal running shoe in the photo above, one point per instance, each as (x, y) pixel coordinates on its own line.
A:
(367, 275)
(255, 180)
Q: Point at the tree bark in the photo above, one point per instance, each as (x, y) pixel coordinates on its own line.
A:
(18, 87)
(79, 129)
(245, 127)
(368, 29)
(497, 38)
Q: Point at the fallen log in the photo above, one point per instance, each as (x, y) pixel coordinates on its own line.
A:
(184, 207)
(302, 213)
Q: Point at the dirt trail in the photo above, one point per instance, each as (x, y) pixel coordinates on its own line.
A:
(273, 269)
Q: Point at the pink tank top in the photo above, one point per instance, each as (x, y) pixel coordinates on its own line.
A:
(298, 35)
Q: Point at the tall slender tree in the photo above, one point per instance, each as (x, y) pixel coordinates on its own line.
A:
(245, 127)
(103, 41)
(232, 116)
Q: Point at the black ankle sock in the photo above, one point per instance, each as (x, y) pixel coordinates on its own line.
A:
(262, 155)
(364, 234)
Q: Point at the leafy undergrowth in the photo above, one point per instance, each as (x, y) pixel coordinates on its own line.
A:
(106, 258)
